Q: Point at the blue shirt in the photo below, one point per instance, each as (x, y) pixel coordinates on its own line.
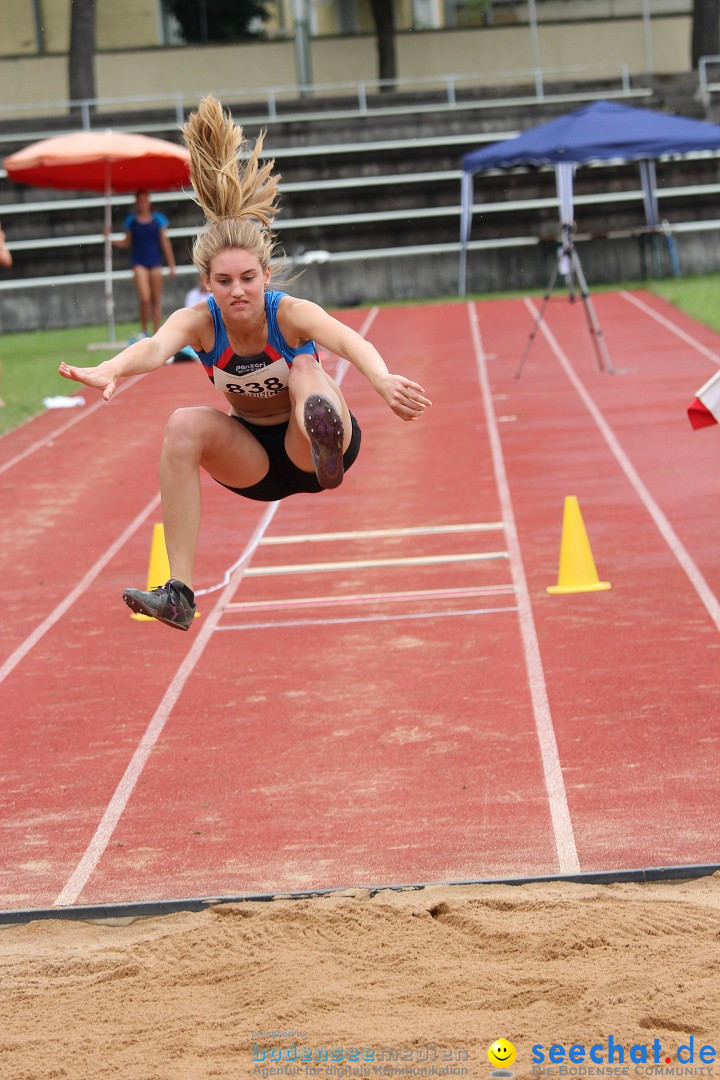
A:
(145, 247)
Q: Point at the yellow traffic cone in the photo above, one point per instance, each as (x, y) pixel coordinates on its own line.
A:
(577, 571)
(158, 569)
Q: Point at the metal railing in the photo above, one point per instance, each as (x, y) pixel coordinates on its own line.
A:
(406, 215)
(447, 86)
(24, 285)
(705, 86)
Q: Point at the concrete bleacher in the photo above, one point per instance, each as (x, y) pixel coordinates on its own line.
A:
(376, 191)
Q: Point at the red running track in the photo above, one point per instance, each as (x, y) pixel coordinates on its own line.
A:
(383, 692)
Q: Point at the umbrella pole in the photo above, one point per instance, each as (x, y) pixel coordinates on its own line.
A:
(109, 303)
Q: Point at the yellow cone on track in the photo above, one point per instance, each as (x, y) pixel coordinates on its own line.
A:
(577, 572)
(158, 569)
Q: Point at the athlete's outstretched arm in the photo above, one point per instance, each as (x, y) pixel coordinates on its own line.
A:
(304, 319)
(184, 327)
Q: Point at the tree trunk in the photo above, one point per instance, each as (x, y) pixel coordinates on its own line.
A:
(705, 30)
(384, 16)
(81, 59)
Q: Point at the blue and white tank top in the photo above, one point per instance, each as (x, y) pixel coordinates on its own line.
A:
(261, 376)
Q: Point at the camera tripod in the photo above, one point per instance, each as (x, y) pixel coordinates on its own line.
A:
(567, 262)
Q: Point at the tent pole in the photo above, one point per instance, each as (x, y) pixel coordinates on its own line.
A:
(466, 201)
(648, 176)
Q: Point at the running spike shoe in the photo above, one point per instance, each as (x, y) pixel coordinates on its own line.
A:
(326, 433)
(171, 603)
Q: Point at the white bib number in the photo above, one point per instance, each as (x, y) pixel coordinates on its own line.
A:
(264, 383)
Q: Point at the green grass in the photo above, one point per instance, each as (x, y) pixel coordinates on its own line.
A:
(30, 361)
(697, 296)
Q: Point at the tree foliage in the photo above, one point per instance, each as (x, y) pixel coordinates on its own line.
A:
(219, 20)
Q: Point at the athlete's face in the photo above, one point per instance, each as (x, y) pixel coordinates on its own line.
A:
(237, 282)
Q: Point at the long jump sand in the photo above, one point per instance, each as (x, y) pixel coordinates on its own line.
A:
(392, 984)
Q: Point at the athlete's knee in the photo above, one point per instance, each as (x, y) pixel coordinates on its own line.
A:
(304, 364)
(185, 431)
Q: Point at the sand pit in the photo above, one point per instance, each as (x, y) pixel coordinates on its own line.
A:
(410, 984)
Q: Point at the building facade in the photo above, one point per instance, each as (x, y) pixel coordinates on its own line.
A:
(32, 27)
(43, 26)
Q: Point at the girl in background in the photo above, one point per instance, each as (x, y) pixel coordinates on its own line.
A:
(146, 236)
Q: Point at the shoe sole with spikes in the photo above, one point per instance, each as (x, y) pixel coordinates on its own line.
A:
(325, 430)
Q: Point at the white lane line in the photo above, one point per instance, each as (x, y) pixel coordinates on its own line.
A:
(82, 415)
(364, 564)
(671, 326)
(39, 632)
(338, 600)
(99, 842)
(554, 782)
(673, 541)
(367, 619)
(247, 554)
(114, 810)
(381, 534)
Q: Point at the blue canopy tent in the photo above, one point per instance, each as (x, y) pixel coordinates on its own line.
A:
(597, 132)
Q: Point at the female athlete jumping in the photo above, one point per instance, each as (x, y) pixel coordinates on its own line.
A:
(288, 429)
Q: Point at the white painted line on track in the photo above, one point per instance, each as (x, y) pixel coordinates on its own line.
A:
(83, 415)
(557, 796)
(99, 842)
(337, 600)
(114, 810)
(364, 564)
(381, 534)
(671, 326)
(698, 582)
(366, 619)
(39, 632)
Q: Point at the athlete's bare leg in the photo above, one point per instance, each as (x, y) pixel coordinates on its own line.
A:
(142, 288)
(156, 290)
(195, 438)
(315, 396)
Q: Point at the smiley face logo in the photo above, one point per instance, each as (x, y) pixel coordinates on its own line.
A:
(501, 1053)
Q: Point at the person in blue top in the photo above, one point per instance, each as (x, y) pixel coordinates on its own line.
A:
(146, 236)
(288, 428)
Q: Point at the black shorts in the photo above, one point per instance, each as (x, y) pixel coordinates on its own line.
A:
(283, 478)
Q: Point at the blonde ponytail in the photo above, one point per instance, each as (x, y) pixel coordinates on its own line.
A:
(239, 201)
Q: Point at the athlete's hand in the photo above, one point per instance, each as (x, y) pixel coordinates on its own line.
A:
(99, 378)
(406, 398)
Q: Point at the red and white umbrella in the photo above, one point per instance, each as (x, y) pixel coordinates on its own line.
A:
(104, 161)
